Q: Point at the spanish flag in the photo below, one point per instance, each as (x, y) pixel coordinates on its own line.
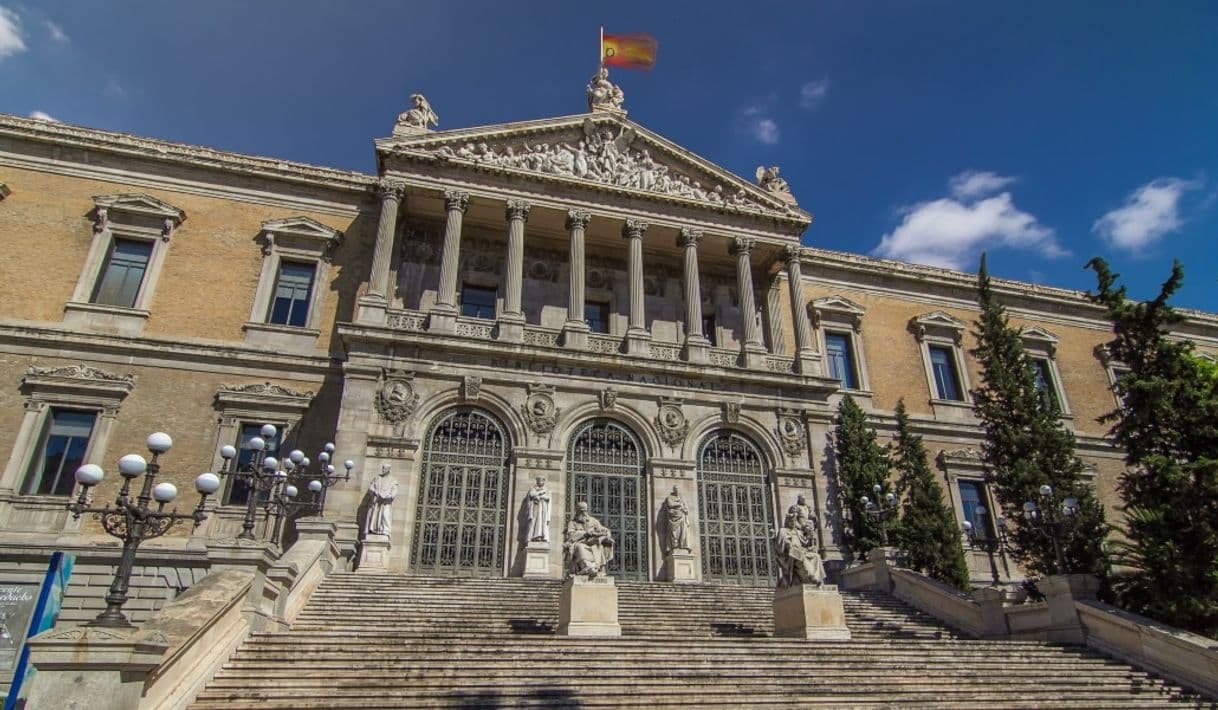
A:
(632, 51)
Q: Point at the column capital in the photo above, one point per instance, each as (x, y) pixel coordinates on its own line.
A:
(792, 253)
(456, 201)
(578, 219)
(741, 245)
(689, 237)
(634, 228)
(390, 189)
(517, 209)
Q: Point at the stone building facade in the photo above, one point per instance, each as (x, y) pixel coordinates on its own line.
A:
(576, 299)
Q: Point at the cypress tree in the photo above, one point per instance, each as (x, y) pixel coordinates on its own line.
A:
(1168, 427)
(927, 533)
(1026, 446)
(860, 464)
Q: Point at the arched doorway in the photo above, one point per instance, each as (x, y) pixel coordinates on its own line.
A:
(735, 510)
(461, 518)
(605, 469)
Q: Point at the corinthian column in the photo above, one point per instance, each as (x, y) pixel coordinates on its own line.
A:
(752, 352)
(444, 314)
(807, 359)
(373, 304)
(696, 344)
(638, 338)
(575, 330)
(511, 321)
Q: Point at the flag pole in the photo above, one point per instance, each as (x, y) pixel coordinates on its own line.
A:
(601, 48)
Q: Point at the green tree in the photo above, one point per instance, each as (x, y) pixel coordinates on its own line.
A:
(1026, 446)
(860, 464)
(1168, 427)
(927, 533)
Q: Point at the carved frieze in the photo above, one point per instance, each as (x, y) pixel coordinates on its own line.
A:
(670, 422)
(396, 399)
(540, 411)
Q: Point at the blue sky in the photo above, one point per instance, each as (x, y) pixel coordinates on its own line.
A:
(1043, 132)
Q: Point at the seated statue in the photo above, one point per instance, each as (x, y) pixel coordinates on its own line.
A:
(797, 562)
(587, 546)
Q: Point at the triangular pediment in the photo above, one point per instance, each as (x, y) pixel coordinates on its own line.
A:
(302, 227)
(139, 203)
(598, 151)
(838, 304)
(937, 323)
(1038, 334)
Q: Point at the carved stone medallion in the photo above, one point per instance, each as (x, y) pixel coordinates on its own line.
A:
(396, 400)
(608, 398)
(671, 422)
(791, 431)
(539, 409)
(471, 387)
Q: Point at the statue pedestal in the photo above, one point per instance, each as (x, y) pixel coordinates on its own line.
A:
(810, 613)
(374, 553)
(587, 606)
(537, 560)
(93, 666)
(679, 566)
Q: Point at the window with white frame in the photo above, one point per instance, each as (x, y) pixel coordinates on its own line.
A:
(941, 338)
(297, 254)
(1041, 348)
(244, 409)
(839, 326)
(69, 414)
(131, 237)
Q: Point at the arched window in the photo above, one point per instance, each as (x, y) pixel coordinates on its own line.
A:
(461, 518)
(605, 470)
(735, 509)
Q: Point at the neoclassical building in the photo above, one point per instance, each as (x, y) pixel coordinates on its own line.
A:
(576, 298)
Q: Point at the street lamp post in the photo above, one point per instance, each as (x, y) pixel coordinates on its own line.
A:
(133, 521)
(322, 479)
(260, 475)
(881, 509)
(977, 540)
(1052, 519)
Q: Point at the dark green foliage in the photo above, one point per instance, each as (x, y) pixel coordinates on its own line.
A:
(1027, 446)
(1168, 427)
(860, 463)
(927, 533)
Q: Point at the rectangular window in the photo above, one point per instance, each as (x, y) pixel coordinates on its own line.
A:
(239, 490)
(477, 302)
(61, 452)
(293, 292)
(947, 379)
(596, 315)
(123, 273)
(972, 502)
(708, 329)
(841, 359)
(1044, 382)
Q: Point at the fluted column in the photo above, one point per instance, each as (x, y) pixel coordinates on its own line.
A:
(575, 330)
(696, 345)
(752, 352)
(511, 320)
(638, 338)
(807, 358)
(372, 306)
(444, 314)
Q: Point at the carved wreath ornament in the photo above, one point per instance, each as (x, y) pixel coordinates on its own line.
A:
(540, 411)
(671, 422)
(397, 398)
(791, 432)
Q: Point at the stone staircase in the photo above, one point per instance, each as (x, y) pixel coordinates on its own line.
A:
(392, 641)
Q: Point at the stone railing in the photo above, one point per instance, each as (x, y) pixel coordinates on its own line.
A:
(604, 344)
(722, 357)
(407, 320)
(1070, 614)
(543, 337)
(663, 351)
(475, 328)
(778, 363)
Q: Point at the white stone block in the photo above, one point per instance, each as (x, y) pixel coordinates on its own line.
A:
(587, 606)
(810, 612)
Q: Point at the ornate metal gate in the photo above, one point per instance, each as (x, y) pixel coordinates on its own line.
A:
(735, 511)
(605, 469)
(462, 513)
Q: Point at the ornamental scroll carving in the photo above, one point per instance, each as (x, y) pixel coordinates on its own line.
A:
(596, 154)
(265, 389)
(791, 432)
(79, 372)
(396, 399)
(540, 411)
(671, 423)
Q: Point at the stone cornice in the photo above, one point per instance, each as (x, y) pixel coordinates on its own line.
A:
(183, 153)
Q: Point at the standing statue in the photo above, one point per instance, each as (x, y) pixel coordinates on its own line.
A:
(604, 94)
(537, 507)
(587, 546)
(805, 519)
(418, 118)
(676, 520)
(797, 563)
(381, 493)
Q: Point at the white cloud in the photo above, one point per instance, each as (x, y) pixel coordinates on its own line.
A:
(11, 41)
(43, 116)
(813, 92)
(977, 183)
(758, 125)
(114, 89)
(1149, 212)
(56, 32)
(951, 232)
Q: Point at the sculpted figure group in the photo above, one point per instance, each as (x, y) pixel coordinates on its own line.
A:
(795, 545)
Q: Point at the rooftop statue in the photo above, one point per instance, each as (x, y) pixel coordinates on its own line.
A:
(416, 119)
(768, 179)
(603, 94)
